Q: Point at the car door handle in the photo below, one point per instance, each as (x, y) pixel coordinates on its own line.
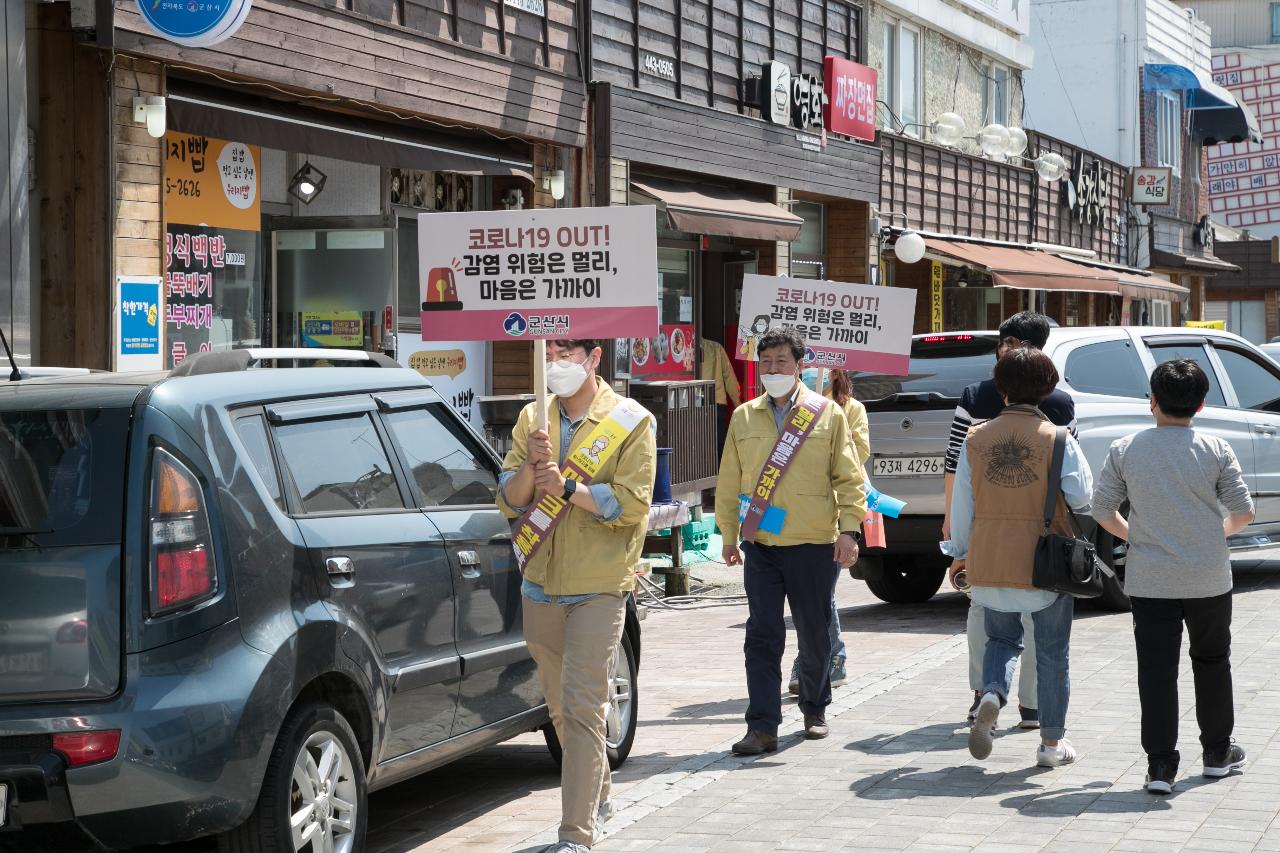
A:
(1264, 430)
(341, 571)
(470, 563)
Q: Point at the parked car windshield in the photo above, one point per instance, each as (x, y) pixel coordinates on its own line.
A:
(61, 476)
(941, 367)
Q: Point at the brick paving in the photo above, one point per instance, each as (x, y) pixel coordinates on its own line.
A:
(896, 773)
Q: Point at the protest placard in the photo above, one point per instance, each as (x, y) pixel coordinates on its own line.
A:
(848, 326)
(539, 274)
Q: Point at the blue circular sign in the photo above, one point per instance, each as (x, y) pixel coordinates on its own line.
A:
(515, 324)
(194, 23)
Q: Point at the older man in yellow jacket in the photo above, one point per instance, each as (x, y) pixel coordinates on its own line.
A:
(581, 489)
(791, 488)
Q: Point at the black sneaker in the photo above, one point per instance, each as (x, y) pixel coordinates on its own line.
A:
(973, 709)
(1218, 765)
(1161, 776)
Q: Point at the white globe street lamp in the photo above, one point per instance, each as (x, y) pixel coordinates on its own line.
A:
(909, 247)
(994, 140)
(1017, 142)
(1051, 166)
(948, 130)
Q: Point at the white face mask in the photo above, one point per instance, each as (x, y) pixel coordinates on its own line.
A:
(778, 384)
(564, 380)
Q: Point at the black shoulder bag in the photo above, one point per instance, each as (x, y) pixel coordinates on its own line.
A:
(1066, 565)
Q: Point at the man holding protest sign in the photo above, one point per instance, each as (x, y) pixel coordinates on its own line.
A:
(581, 489)
(791, 488)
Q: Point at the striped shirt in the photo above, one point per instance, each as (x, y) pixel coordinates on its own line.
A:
(981, 402)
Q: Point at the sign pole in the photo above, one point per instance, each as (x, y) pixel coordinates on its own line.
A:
(540, 380)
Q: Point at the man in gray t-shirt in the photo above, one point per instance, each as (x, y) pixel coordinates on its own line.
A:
(1178, 570)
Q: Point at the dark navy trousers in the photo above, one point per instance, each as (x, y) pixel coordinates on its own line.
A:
(803, 576)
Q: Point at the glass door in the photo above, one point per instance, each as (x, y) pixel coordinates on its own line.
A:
(334, 287)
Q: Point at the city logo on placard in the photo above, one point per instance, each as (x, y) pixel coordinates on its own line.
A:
(515, 325)
(1086, 192)
(194, 23)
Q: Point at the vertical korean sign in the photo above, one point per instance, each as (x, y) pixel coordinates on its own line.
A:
(935, 296)
(847, 326)
(539, 274)
(213, 245)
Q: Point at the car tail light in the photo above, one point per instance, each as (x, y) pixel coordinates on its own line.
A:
(939, 339)
(74, 633)
(81, 748)
(183, 571)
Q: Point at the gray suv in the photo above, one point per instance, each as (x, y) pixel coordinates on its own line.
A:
(237, 600)
(1105, 370)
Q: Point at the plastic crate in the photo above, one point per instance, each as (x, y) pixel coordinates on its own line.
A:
(697, 534)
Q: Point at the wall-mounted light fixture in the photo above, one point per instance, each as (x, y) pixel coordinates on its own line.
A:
(553, 182)
(307, 183)
(150, 110)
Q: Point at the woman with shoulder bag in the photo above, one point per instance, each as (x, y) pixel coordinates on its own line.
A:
(997, 520)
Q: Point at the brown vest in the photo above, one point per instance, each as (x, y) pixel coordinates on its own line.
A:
(1009, 459)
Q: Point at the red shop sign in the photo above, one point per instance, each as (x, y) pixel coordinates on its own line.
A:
(851, 98)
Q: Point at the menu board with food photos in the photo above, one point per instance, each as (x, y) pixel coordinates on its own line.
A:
(667, 355)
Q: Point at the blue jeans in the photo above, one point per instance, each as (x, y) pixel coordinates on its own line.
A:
(1052, 627)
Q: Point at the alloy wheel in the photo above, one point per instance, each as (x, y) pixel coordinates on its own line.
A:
(323, 797)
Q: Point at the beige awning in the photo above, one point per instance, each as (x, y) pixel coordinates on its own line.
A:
(722, 212)
(1025, 269)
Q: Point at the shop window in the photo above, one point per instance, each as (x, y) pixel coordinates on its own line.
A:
(902, 69)
(1150, 312)
(810, 247)
(1275, 23)
(1071, 308)
(1169, 131)
(409, 291)
(1256, 385)
(1112, 368)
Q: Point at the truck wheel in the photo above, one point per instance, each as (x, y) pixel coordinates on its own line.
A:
(314, 796)
(621, 715)
(906, 581)
(1113, 597)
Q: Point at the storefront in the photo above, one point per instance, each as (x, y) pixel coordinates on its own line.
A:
(1001, 237)
(755, 166)
(274, 214)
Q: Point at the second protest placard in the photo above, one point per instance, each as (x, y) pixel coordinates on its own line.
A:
(847, 326)
(539, 274)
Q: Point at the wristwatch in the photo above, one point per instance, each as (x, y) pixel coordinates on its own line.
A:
(856, 535)
(570, 486)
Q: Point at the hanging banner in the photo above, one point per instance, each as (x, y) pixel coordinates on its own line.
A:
(138, 331)
(850, 326)
(528, 274)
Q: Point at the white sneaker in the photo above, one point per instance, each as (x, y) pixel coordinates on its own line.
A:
(605, 813)
(1056, 756)
(982, 735)
(566, 847)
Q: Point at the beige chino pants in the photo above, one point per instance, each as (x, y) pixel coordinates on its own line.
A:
(573, 647)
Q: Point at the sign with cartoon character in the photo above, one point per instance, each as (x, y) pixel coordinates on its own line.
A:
(539, 274)
(849, 326)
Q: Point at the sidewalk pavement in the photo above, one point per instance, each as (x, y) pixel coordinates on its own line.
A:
(895, 773)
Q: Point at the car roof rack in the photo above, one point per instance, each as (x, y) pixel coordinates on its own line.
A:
(233, 361)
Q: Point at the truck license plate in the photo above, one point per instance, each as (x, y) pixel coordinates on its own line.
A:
(907, 466)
